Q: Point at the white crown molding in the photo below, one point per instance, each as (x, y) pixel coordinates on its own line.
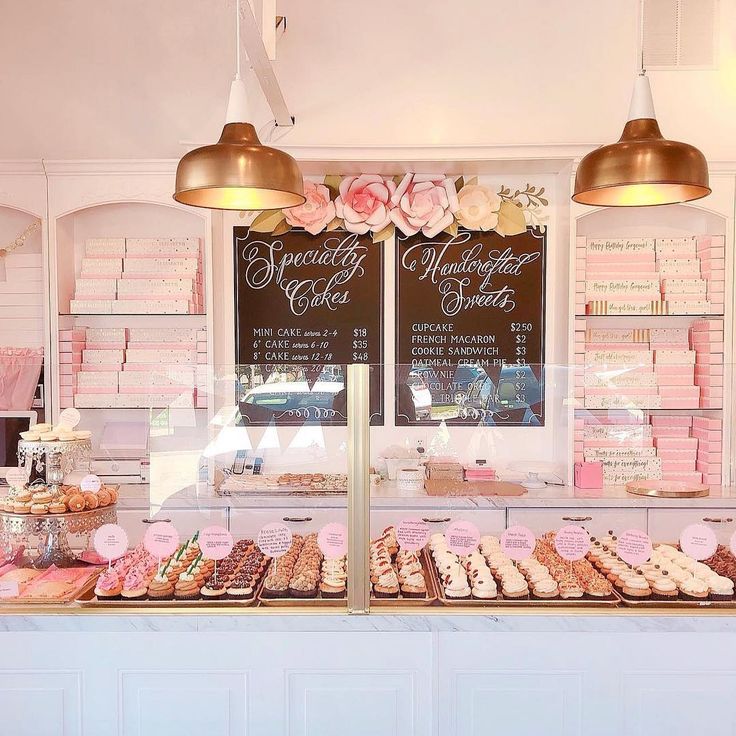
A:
(22, 166)
(155, 166)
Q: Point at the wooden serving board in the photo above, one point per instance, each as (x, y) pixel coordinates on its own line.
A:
(473, 488)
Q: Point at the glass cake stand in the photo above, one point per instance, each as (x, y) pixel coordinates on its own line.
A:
(54, 459)
(51, 531)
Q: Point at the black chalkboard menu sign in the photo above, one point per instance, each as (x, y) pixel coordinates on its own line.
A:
(306, 306)
(470, 328)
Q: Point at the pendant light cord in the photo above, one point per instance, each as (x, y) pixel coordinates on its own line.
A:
(237, 39)
(642, 70)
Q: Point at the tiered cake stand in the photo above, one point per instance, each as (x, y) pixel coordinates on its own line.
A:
(51, 462)
(51, 531)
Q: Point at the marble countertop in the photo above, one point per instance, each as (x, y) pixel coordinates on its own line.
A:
(388, 496)
(582, 621)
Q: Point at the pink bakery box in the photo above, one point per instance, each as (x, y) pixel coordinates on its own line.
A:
(617, 391)
(676, 443)
(685, 380)
(706, 325)
(579, 423)
(66, 403)
(678, 404)
(674, 369)
(68, 380)
(711, 436)
(104, 367)
(609, 442)
(686, 477)
(578, 446)
(98, 390)
(678, 456)
(704, 358)
(603, 257)
(66, 335)
(641, 346)
(670, 420)
(68, 369)
(589, 475)
(118, 345)
(71, 347)
(674, 431)
(708, 423)
(673, 467)
(706, 338)
(70, 358)
(711, 404)
(705, 442)
(709, 392)
(709, 457)
(151, 389)
(712, 480)
(163, 346)
(604, 270)
(708, 467)
(704, 372)
(680, 392)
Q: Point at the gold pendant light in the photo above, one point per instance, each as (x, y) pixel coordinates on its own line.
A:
(238, 172)
(642, 168)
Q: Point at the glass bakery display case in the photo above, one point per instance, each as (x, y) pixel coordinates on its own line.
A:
(478, 487)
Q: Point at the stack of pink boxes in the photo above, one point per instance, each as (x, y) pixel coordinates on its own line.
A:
(135, 367)
(706, 339)
(667, 447)
(139, 276)
(632, 368)
(672, 275)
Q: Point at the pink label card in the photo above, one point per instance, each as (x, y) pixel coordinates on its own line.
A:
(161, 539)
(698, 541)
(90, 483)
(572, 542)
(274, 539)
(462, 537)
(216, 542)
(110, 542)
(16, 477)
(70, 418)
(412, 534)
(333, 540)
(9, 589)
(518, 543)
(634, 546)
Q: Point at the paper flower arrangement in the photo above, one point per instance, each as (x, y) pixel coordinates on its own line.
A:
(414, 203)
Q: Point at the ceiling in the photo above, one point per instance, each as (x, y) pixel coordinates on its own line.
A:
(135, 79)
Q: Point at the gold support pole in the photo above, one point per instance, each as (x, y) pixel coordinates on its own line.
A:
(358, 488)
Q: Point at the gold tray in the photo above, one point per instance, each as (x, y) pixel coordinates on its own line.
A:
(88, 598)
(678, 603)
(639, 488)
(316, 602)
(400, 602)
(530, 602)
(88, 587)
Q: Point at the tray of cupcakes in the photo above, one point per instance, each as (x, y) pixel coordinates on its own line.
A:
(185, 577)
(303, 576)
(669, 577)
(487, 576)
(399, 577)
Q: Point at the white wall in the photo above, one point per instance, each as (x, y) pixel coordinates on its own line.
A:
(85, 79)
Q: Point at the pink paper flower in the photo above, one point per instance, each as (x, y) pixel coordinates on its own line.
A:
(316, 213)
(423, 202)
(478, 207)
(364, 202)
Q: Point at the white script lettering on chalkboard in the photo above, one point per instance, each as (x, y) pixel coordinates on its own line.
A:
(266, 262)
(453, 278)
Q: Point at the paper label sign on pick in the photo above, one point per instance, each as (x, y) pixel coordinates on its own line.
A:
(412, 534)
(216, 542)
(161, 539)
(572, 542)
(332, 539)
(462, 537)
(110, 542)
(518, 543)
(9, 589)
(634, 546)
(732, 543)
(90, 483)
(16, 477)
(274, 539)
(70, 418)
(698, 541)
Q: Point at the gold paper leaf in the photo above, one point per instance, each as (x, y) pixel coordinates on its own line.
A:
(510, 219)
(451, 229)
(398, 179)
(267, 221)
(332, 182)
(281, 228)
(459, 184)
(384, 234)
(334, 224)
(472, 181)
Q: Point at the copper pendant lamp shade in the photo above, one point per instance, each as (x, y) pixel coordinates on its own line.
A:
(642, 168)
(239, 173)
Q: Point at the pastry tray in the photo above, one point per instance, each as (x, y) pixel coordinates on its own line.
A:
(88, 598)
(86, 589)
(401, 602)
(610, 602)
(678, 603)
(316, 602)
